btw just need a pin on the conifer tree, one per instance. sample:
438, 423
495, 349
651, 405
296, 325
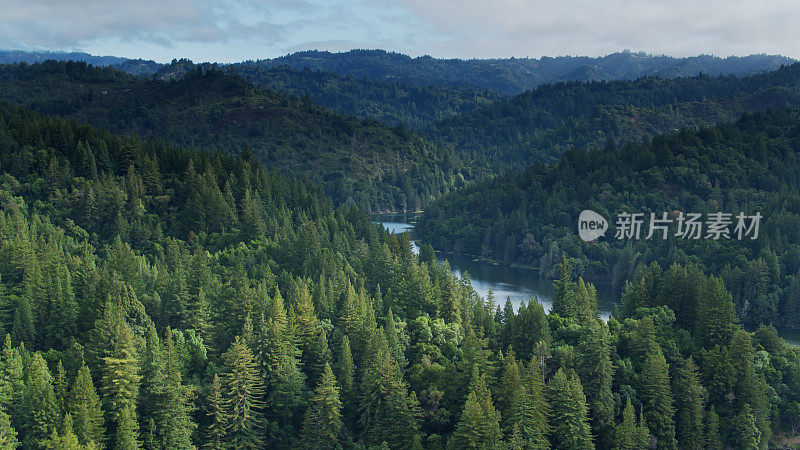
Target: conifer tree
529, 410
243, 390
8, 436
120, 381
176, 402
746, 434
388, 412
715, 314
713, 439
569, 421
323, 419
215, 435
657, 398
39, 403
596, 371
85, 407
689, 399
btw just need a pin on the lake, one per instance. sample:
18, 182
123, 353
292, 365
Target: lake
516, 283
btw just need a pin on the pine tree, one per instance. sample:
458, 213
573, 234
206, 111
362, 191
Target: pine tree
529, 410
216, 429
392, 338
570, 423
510, 385
127, 429
120, 381
243, 390
85, 407
657, 398
713, 439
39, 403
323, 419
596, 371
627, 430
8, 436
689, 399
311, 337
450, 306
715, 314
563, 288
388, 412
176, 402
479, 426
746, 433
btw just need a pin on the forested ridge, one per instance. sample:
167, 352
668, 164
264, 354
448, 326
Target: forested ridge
746, 166
541, 124
156, 297
392, 103
515, 75
362, 161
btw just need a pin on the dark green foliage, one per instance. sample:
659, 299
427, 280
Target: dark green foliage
733, 167
323, 419
569, 419
657, 399
157, 286
356, 160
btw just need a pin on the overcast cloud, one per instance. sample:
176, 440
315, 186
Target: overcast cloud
226, 31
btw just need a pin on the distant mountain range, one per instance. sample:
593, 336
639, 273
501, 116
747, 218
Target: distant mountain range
514, 75
506, 76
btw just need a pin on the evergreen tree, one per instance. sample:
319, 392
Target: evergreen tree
120, 381
715, 314
689, 399
569, 421
85, 407
175, 423
713, 439
746, 433
8, 436
216, 429
243, 390
596, 370
630, 435
388, 412
529, 410
323, 419
39, 402
657, 398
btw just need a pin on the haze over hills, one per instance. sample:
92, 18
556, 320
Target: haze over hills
540, 125
514, 75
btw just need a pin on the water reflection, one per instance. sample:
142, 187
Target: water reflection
517, 284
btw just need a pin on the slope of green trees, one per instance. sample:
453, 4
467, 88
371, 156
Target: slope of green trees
540, 125
153, 297
748, 166
362, 161
392, 103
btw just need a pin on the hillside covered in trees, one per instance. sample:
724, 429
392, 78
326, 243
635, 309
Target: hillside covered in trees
540, 125
156, 297
356, 160
747, 166
515, 75
392, 103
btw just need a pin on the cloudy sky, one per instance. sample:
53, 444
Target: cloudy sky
234, 30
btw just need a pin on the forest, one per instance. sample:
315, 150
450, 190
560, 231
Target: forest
154, 296
355, 160
511, 76
748, 165
541, 124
